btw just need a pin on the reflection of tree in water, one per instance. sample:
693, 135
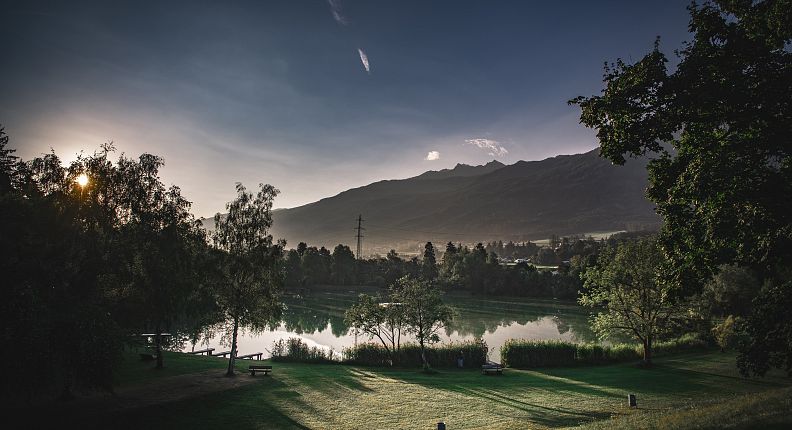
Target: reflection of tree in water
475, 316
313, 314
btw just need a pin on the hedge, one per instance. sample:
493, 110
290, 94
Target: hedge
474, 354
523, 353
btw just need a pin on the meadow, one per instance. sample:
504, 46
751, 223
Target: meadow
695, 390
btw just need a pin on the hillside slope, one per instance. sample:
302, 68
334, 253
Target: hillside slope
567, 194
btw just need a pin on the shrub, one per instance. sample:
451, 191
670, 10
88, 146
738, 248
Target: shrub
726, 333
541, 353
295, 350
474, 354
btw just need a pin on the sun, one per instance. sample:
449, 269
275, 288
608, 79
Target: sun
82, 180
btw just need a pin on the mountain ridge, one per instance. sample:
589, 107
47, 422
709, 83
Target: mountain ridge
527, 200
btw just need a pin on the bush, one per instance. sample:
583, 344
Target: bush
295, 350
533, 353
529, 353
474, 354
726, 333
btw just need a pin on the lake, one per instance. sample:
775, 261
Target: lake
318, 319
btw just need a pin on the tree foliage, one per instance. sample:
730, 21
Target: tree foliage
719, 126
634, 300
423, 311
380, 319
249, 261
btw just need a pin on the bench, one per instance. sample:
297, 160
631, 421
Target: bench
253, 369
221, 354
258, 356
208, 351
492, 369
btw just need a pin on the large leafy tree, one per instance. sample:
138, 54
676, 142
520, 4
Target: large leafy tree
423, 311
251, 276
719, 125
634, 300
161, 244
383, 321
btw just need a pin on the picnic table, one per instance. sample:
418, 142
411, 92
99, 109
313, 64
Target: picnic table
254, 368
258, 356
492, 368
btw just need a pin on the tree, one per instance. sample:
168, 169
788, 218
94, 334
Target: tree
719, 127
429, 263
634, 301
294, 272
423, 310
252, 279
767, 342
343, 265
384, 321
161, 240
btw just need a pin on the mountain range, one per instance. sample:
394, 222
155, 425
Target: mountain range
527, 200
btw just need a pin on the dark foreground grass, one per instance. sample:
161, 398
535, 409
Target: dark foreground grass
677, 390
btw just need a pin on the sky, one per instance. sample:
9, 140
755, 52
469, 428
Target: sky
313, 97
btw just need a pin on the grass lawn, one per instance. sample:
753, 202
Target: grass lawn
337, 396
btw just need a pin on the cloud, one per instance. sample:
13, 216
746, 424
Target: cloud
432, 156
335, 9
493, 147
364, 60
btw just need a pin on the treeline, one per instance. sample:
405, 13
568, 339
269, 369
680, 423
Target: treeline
480, 269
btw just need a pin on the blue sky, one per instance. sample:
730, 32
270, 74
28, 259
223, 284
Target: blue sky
278, 92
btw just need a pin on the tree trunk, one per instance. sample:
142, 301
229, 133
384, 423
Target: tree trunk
232, 357
158, 340
647, 351
423, 355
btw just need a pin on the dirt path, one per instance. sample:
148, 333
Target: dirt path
160, 391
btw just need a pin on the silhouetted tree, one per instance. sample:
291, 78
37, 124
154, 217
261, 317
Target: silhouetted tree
343, 265
429, 263
248, 292
719, 126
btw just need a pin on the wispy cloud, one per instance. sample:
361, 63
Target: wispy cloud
335, 9
493, 147
364, 59
432, 156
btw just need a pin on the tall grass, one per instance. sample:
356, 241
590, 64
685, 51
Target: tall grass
538, 353
295, 350
474, 354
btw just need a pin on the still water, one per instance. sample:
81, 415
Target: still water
318, 319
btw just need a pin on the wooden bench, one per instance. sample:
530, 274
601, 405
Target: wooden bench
208, 351
253, 369
258, 356
492, 369
221, 354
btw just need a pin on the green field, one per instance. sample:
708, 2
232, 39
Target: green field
679, 390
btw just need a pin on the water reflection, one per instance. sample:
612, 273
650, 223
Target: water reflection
318, 319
